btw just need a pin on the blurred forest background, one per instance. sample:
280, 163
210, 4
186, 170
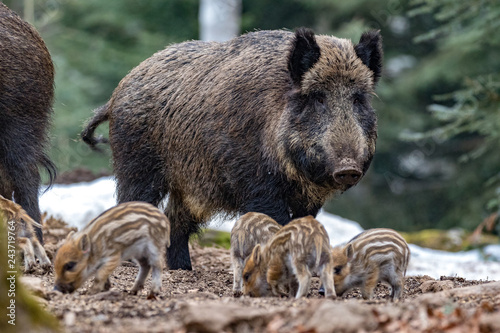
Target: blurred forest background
437, 163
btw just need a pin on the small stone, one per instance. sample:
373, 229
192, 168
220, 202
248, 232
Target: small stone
101, 318
69, 319
435, 286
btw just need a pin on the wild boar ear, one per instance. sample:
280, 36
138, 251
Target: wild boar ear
256, 255
84, 243
369, 50
349, 252
304, 53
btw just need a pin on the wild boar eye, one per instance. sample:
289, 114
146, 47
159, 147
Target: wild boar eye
246, 277
337, 269
69, 265
357, 99
320, 99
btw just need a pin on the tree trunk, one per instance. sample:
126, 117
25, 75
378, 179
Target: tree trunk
219, 19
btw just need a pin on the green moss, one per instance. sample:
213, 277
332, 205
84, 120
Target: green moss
210, 237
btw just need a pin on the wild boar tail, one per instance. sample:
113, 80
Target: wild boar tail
51, 170
101, 115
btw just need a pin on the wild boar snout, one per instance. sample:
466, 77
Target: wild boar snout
347, 173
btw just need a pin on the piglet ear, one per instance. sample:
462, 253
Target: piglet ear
349, 252
84, 243
256, 255
369, 50
71, 233
304, 53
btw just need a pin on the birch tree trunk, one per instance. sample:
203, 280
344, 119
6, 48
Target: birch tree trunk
219, 19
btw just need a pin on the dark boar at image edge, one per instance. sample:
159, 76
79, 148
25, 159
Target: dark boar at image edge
26, 96
272, 121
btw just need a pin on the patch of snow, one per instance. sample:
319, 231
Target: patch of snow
467, 264
340, 230
492, 252
78, 204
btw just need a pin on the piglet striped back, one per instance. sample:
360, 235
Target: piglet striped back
128, 222
252, 229
303, 237
380, 246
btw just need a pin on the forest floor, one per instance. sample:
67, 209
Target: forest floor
202, 301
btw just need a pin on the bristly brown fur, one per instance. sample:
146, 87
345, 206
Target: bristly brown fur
133, 230
375, 255
272, 122
26, 96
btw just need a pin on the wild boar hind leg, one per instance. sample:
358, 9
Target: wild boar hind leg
155, 278
183, 225
144, 269
26, 191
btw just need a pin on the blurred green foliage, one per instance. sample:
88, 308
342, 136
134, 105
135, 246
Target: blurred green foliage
211, 237
469, 116
436, 165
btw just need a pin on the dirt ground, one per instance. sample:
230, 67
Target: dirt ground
80, 175
202, 301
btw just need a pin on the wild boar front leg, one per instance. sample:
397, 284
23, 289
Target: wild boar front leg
303, 277
40, 254
237, 275
101, 276
370, 282
274, 275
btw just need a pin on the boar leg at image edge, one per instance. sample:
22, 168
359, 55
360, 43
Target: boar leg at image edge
26, 192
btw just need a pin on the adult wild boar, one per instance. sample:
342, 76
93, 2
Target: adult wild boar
271, 121
26, 95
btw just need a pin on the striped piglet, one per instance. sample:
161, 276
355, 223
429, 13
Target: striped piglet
375, 255
131, 230
286, 263
251, 229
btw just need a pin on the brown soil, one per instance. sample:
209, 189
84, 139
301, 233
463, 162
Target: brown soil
202, 301
79, 175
